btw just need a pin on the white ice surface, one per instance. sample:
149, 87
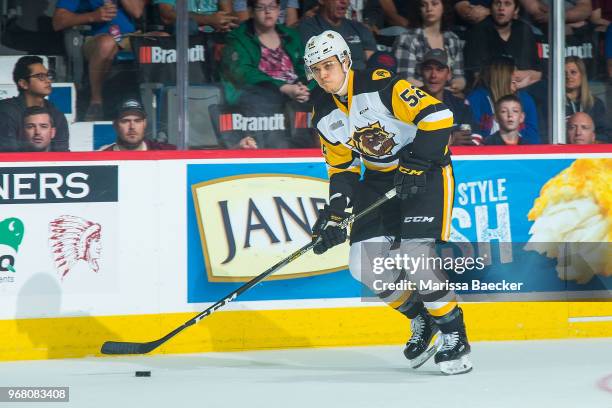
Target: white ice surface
542, 374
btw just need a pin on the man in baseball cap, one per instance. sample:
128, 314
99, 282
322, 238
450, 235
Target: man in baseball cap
437, 55
131, 106
437, 74
130, 126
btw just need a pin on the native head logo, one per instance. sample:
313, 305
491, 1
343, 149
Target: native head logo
11, 235
74, 239
373, 140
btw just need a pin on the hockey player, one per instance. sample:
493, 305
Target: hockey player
400, 134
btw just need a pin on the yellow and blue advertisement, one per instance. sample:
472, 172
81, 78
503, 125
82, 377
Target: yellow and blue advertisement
543, 222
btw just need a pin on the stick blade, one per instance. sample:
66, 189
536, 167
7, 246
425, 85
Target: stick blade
123, 347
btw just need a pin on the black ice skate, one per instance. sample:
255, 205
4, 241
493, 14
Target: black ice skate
452, 356
420, 347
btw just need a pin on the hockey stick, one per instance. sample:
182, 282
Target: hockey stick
122, 347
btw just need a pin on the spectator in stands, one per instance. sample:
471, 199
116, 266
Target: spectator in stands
215, 14
247, 143
403, 13
602, 17
33, 82
577, 13
510, 116
130, 126
264, 60
38, 130
368, 12
579, 97
497, 80
29, 29
580, 129
433, 32
503, 34
308, 8
289, 11
112, 21
263, 66
372, 14
472, 11
436, 73
331, 16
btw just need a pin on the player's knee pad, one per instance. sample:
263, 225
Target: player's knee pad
366, 264
362, 254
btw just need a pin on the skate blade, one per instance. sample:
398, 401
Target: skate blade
460, 366
429, 353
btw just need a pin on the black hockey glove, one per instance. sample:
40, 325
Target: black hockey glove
410, 177
326, 228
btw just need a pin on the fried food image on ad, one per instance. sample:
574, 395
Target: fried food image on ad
573, 220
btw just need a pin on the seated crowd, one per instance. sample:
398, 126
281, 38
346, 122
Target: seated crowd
485, 59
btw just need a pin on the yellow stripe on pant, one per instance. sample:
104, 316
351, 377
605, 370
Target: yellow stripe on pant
449, 192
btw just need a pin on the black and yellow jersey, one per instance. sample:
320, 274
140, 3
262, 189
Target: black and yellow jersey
383, 116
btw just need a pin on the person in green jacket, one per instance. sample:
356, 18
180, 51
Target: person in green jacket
263, 61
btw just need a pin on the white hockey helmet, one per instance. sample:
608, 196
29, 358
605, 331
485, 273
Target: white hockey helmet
328, 43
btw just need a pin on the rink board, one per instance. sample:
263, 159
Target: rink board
128, 246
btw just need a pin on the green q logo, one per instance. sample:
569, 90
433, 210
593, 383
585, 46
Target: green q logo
11, 235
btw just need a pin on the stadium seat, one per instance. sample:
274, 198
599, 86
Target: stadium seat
103, 134
81, 136
385, 37
90, 136
73, 42
201, 131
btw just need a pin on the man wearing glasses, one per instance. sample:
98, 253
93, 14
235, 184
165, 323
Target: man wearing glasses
33, 82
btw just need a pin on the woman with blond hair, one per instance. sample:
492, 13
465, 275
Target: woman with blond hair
496, 80
579, 98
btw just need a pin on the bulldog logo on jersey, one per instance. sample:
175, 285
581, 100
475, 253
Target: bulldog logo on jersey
373, 140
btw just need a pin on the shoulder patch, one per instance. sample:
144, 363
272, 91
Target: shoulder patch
380, 74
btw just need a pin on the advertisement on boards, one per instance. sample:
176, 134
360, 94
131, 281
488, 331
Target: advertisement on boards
521, 218
244, 218
58, 233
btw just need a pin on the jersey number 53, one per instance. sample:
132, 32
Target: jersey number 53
412, 96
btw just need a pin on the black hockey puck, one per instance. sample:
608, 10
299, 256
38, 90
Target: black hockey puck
143, 373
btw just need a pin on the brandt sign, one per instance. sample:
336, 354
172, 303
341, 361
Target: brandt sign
236, 121
159, 55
